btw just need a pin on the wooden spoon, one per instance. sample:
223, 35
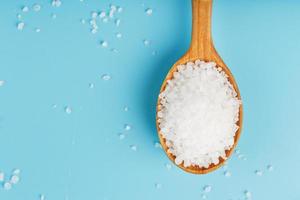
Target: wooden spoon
201, 48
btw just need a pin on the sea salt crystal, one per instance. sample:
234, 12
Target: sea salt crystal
133, 147
117, 22
19, 16
2, 176
198, 113
42, 197
121, 136
114, 50
157, 145
20, 26
104, 44
93, 30
248, 194
36, 7
106, 77
16, 171
2, 82
82, 21
37, 30
203, 196
102, 14
168, 166
94, 15
68, 109
207, 188
25, 9
258, 172
53, 16
127, 127
146, 42
270, 168
56, 3
91, 85
227, 174
7, 185
14, 179
105, 19
120, 9
158, 185
149, 11
126, 108
119, 35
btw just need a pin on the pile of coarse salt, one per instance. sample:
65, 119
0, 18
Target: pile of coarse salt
198, 114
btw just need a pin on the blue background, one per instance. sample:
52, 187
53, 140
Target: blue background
80, 156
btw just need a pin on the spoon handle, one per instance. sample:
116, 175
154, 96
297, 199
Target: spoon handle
201, 44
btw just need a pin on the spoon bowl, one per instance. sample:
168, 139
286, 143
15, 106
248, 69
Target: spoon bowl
201, 48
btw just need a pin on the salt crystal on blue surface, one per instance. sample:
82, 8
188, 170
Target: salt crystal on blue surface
105, 19
146, 42
56, 3
102, 14
157, 145
237, 151
14, 179
120, 9
91, 85
149, 11
121, 136
227, 174
20, 26
207, 188
37, 30
7, 186
19, 16
203, 196
126, 108
42, 197
53, 16
119, 35
106, 77
68, 109
94, 15
168, 166
93, 30
25, 9
158, 185
133, 147
270, 168
104, 44
248, 194
127, 127
82, 21
117, 22
36, 7
2, 82
2, 176
16, 171
114, 50
258, 172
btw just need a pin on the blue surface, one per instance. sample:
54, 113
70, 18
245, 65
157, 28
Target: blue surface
80, 156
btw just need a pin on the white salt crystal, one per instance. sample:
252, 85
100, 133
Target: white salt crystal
54, 16
36, 7
207, 188
105, 19
149, 11
158, 185
16, 171
42, 197
203, 196
120, 9
146, 42
133, 147
14, 179
7, 185
126, 108
19, 16
227, 174
2, 82
102, 14
198, 116
168, 166
127, 127
119, 35
94, 15
82, 21
37, 30
237, 151
157, 145
91, 85
248, 194
270, 168
25, 9
106, 77
117, 22
2, 176
104, 44
20, 26
54, 106
93, 30
121, 136
68, 109
113, 7
56, 3
258, 172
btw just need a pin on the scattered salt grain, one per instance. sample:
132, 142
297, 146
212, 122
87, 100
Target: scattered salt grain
93, 30
16, 171
203, 196
198, 113
127, 127
149, 11
237, 151
270, 168
82, 21
106, 77
91, 85
227, 174
36, 7
37, 30
207, 188
121, 136
258, 172
2, 82
53, 16
146, 42
7, 185
120, 9
126, 108
117, 22
105, 19
56, 3
157, 145
68, 109
119, 35
25, 9
20, 26
14, 179
42, 197
54, 106
2, 176
114, 50
168, 166
19, 16
102, 14
158, 185
104, 44
94, 15
133, 147
248, 194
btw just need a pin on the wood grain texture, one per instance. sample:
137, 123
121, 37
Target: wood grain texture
201, 48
